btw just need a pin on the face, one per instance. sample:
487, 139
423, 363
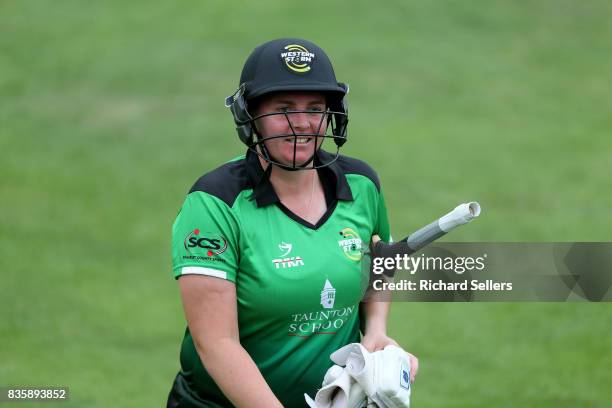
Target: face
306, 125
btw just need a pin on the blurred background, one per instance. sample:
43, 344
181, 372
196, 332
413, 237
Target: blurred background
109, 111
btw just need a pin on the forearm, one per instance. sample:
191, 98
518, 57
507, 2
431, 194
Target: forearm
236, 374
375, 314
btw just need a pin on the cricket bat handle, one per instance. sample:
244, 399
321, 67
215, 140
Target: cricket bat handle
462, 214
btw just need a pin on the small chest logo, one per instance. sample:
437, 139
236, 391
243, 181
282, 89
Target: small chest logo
351, 244
285, 247
285, 261
328, 295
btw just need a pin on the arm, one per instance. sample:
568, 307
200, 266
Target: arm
210, 309
375, 312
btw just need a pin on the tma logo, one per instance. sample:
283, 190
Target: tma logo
215, 244
288, 262
284, 261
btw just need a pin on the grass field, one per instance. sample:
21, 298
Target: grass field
110, 110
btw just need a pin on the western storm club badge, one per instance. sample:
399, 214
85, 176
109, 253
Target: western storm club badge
297, 58
351, 244
284, 261
328, 295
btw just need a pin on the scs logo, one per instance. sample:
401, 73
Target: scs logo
214, 243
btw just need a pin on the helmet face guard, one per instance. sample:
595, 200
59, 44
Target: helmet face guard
290, 65
332, 124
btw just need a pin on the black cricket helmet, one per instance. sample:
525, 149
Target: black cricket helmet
289, 64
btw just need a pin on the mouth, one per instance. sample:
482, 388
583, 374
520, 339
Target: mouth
298, 140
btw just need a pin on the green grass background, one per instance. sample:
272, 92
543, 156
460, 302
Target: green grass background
110, 110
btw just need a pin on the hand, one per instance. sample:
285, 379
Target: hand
378, 341
414, 366
374, 240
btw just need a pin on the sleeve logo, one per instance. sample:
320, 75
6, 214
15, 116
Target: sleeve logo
196, 241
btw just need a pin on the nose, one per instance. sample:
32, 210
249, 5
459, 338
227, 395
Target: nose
300, 122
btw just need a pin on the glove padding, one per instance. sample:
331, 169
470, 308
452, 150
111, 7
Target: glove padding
383, 375
338, 390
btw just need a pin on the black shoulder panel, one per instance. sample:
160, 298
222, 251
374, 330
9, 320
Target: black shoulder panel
350, 165
225, 182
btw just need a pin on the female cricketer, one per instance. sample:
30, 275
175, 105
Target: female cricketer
267, 248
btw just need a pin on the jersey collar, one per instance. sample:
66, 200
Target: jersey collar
264, 193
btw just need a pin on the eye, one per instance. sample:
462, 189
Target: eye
316, 109
283, 108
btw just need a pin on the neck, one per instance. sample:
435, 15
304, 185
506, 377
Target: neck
291, 182
300, 191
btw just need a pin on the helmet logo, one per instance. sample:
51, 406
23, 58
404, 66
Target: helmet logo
297, 58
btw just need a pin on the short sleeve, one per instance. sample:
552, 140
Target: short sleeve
382, 224
205, 238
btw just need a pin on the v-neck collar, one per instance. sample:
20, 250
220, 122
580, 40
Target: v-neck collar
333, 179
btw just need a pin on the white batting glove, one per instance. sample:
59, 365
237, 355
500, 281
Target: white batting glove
335, 390
384, 375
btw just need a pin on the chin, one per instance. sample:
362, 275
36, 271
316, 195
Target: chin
300, 160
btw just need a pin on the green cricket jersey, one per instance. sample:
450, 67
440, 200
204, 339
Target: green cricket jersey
298, 285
